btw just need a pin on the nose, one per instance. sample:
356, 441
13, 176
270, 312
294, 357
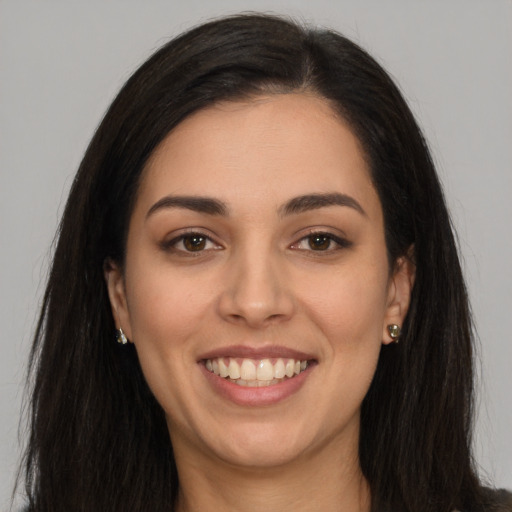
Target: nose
256, 291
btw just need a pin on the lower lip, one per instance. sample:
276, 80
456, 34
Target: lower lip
254, 397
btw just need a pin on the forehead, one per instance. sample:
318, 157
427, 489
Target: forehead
269, 147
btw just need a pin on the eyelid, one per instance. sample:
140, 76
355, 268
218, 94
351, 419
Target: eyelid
170, 244
340, 240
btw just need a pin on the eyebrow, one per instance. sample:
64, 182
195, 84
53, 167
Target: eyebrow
315, 201
206, 205
300, 204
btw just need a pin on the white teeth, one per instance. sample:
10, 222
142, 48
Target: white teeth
265, 370
223, 369
256, 383
247, 370
279, 371
255, 373
289, 368
234, 369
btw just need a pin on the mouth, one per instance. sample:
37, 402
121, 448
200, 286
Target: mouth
256, 376
249, 372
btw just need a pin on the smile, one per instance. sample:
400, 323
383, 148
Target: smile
255, 372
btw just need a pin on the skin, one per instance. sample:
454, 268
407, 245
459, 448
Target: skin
259, 281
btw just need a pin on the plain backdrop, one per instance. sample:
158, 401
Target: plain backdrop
61, 63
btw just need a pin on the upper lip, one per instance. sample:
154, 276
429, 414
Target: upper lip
260, 352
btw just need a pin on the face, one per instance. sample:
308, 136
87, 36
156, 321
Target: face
256, 286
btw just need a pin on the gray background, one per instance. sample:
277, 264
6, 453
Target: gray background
62, 62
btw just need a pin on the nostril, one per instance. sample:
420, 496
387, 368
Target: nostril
275, 317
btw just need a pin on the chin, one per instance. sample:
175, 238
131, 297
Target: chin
261, 445
262, 455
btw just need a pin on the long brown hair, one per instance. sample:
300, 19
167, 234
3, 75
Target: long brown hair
98, 438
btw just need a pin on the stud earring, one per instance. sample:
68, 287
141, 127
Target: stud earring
121, 337
394, 331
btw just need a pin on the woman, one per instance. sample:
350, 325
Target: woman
259, 222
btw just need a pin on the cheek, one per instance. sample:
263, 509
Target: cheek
349, 312
350, 309
165, 307
166, 313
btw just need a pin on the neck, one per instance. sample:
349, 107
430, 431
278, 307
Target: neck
329, 480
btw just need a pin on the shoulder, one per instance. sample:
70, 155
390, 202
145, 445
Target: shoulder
494, 500
503, 500
498, 500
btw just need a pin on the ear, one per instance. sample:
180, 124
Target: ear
116, 292
399, 293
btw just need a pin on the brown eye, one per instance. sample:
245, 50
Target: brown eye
319, 242
194, 243
191, 243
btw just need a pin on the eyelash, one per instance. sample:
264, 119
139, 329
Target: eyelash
172, 245
340, 243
